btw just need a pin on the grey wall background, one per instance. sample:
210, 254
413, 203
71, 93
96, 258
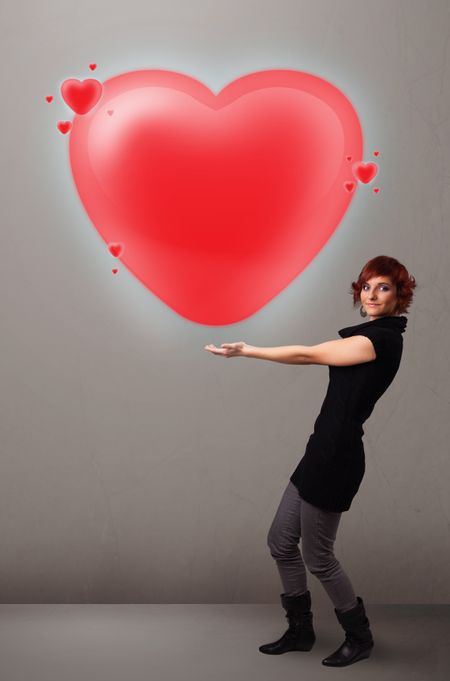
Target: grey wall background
137, 467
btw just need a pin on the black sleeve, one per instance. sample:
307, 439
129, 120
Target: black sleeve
379, 339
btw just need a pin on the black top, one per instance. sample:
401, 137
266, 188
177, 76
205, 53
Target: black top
332, 468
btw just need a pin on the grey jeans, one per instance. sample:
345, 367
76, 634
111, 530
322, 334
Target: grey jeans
317, 528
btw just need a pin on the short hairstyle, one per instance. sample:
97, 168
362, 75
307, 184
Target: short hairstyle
381, 266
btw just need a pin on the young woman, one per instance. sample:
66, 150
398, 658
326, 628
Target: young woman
362, 365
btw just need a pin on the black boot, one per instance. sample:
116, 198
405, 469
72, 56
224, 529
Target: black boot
358, 642
300, 635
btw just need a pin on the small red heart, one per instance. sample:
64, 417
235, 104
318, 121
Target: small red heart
376, 153
349, 186
115, 249
92, 67
49, 98
349, 158
376, 190
81, 96
364, 172
110, 112
114, 270
64, 126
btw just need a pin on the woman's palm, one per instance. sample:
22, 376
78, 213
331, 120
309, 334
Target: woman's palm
227, 349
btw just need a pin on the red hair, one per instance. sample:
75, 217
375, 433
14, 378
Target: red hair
384, 266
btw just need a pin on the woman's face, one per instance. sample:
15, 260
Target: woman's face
379, 297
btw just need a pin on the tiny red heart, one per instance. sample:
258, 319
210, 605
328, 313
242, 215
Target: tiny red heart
49, 98
376, 190
115, 249
110, 112
349, 158
81, 96
92, 67
64, 126
376, 153
114, 270
364, 172
349, 186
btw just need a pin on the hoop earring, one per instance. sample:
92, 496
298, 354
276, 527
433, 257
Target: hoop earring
362, 312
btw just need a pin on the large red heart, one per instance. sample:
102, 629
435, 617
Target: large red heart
219, 200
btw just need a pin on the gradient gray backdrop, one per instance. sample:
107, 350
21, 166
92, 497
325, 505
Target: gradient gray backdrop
137, 467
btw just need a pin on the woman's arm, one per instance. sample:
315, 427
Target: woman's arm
286, 354
342, 352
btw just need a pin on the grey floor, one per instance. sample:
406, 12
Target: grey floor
211, 643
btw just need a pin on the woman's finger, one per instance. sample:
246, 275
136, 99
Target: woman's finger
216, 351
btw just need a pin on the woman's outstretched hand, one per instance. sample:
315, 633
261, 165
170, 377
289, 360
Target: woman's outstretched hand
228, 349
